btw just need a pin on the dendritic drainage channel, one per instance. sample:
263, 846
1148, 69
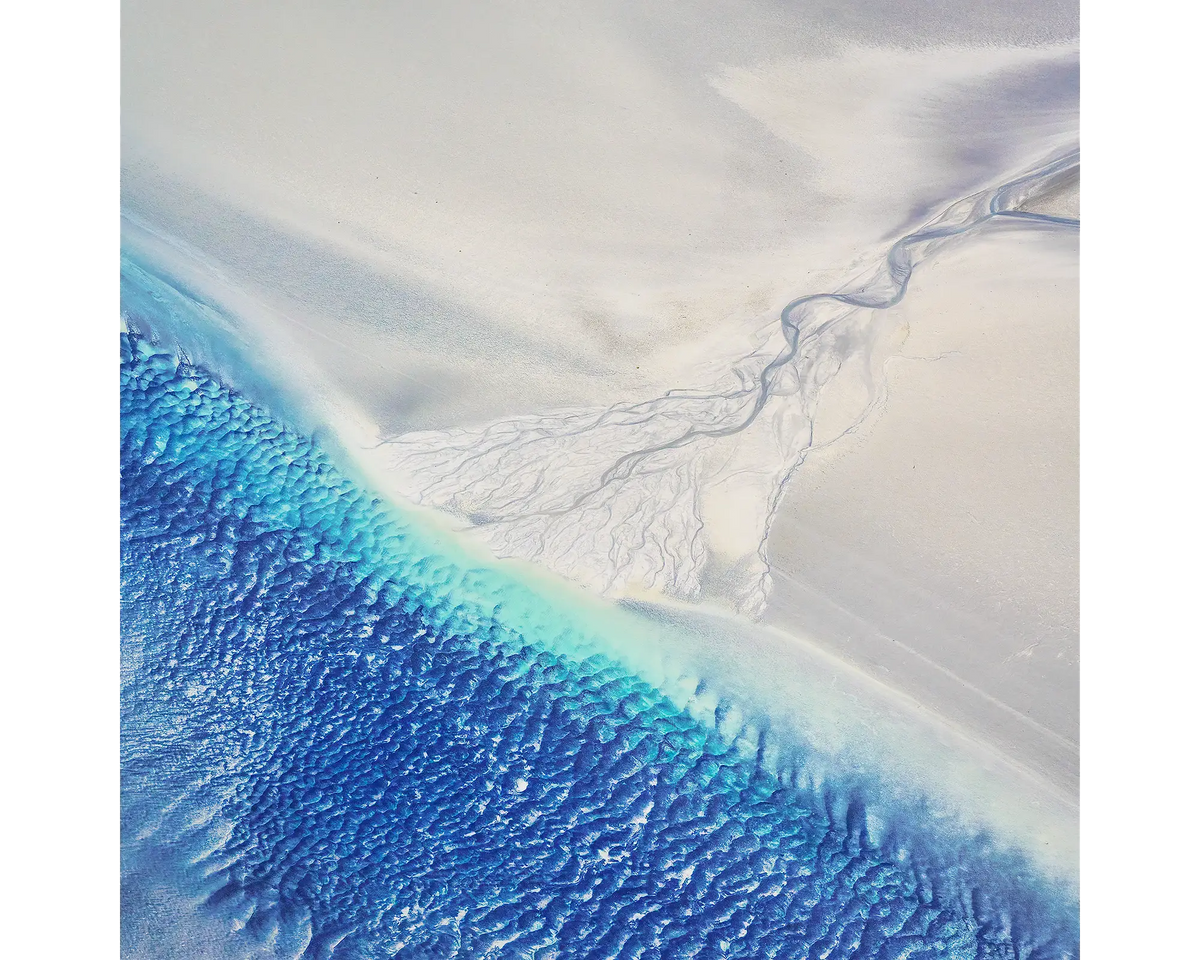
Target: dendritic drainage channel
618, 498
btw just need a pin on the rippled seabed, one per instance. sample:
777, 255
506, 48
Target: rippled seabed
337, 741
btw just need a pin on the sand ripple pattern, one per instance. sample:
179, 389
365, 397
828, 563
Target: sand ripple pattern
336, 744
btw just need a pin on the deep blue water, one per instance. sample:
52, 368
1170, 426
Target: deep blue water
335, 744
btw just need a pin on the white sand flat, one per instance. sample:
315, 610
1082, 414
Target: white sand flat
938, 547
447, 224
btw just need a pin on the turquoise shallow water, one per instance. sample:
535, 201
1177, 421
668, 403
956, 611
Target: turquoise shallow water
343, 736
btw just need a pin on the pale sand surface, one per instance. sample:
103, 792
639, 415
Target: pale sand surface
937, 548
469, 212
1062, 200
432, 218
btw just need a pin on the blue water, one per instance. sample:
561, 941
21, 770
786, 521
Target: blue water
342, 739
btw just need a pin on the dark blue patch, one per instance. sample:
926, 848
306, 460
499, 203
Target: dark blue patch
361, 761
